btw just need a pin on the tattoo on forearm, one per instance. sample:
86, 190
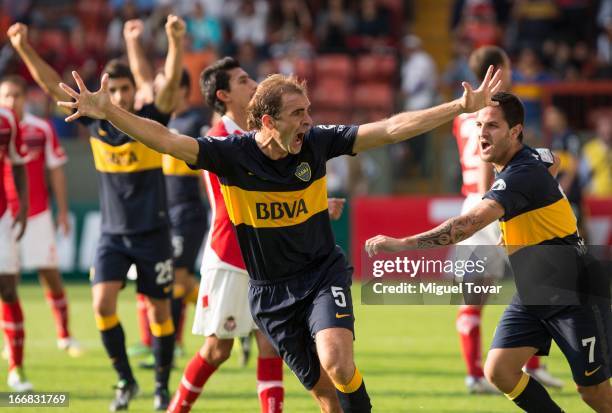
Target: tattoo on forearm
450, 232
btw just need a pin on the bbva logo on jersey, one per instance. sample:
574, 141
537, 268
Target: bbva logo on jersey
499, 185
279, 210
303, 172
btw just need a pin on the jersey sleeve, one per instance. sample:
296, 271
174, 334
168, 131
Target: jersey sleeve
546, 156
214, 154
511, 191
54, 153
152, 112
334, 140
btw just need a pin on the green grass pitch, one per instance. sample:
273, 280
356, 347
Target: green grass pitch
409, 357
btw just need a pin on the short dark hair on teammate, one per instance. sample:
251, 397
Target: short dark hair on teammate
514, 111
16, 80
117, 68
185, 79
268, 98
216, 77
485, 56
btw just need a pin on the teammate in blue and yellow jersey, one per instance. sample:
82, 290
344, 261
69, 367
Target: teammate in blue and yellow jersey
534, 214
134, 211
273, 182
187, 213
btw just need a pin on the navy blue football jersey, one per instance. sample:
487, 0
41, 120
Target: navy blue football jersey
535, 209
131, 184
278, 207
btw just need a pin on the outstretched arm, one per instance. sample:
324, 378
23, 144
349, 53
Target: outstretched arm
409, 124
97, 105
46, 77
139, 66
451, 231
167, 96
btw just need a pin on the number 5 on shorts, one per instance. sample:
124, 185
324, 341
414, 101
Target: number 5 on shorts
339, 297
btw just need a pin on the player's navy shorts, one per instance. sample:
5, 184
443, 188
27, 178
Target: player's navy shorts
583, 333
292, 311
188, 225
151, 252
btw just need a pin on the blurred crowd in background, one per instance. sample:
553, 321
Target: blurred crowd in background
363, 61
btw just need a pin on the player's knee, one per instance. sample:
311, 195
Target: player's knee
216, 352
340, 372
600, 394
494, 372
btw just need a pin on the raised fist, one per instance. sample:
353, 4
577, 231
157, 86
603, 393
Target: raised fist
18, 34
175, 27
133, 29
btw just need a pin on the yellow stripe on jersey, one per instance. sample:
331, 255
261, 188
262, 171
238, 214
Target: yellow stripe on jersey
530, 91
275, 209
566, 161
173, 166
556, 220
129, 157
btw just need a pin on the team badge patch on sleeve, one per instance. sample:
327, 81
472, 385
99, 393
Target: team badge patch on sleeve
499, 185
303, 171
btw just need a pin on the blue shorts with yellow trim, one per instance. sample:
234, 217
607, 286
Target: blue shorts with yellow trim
583, 333
291, 312
150, 252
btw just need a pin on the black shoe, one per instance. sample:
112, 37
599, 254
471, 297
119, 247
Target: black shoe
124, 392
161, 400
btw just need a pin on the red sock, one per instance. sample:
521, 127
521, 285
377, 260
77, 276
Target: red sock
13, 332
533, 363
468, 327
59, 306
195, 375
181, 324
143, 320
270, 384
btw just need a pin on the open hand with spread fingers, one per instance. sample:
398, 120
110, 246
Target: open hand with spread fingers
473, 100
86, 103
383, 243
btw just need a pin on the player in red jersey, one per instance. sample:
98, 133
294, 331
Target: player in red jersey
38, 248
477, 179
13, 148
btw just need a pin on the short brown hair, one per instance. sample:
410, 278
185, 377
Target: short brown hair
486, 56
513, 109
268, 98
117, 68
16, 80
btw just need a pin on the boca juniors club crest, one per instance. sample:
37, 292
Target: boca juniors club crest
303, 172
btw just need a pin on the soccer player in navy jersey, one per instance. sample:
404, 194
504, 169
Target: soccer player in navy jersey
533, 211
274, 185
187, 213
134, 212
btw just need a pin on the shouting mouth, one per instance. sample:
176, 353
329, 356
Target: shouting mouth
485, 146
